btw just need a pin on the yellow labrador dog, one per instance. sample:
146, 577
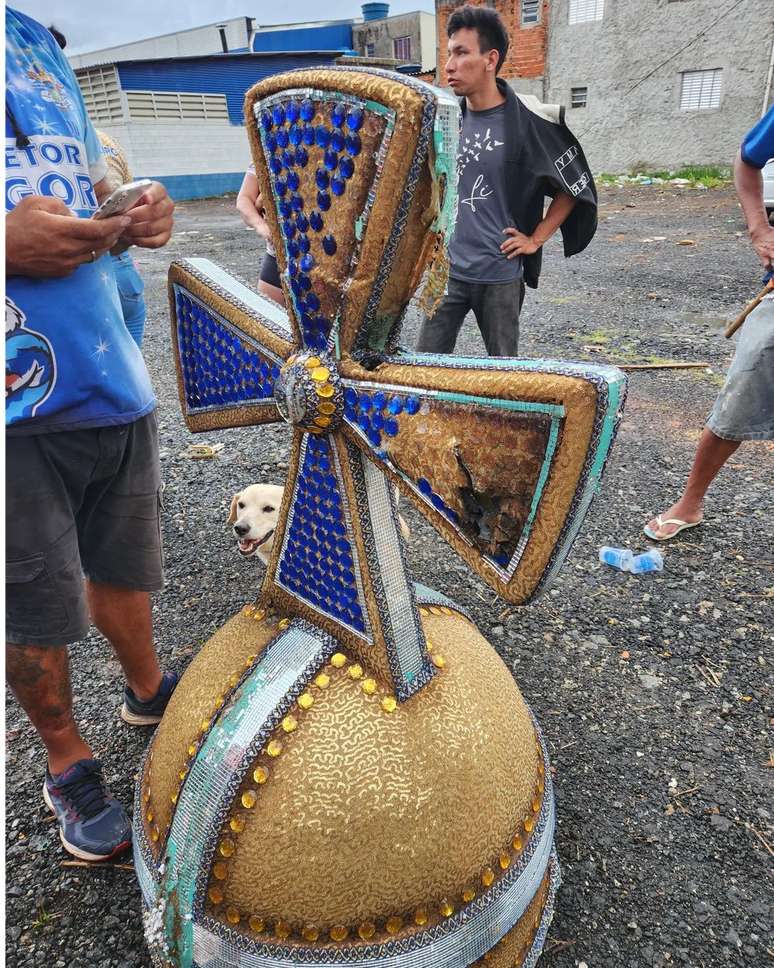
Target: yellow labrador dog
253, 516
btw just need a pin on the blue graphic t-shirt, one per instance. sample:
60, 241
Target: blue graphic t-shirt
758, 144
70, 362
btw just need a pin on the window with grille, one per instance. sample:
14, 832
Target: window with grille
175, 106
579, 97
700, 90
530, 12
582, 11
101, 94
369, 50
402, 48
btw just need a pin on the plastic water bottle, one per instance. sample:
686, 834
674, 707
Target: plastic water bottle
620, 558
648, 561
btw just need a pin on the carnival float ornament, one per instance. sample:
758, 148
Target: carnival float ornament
347, 773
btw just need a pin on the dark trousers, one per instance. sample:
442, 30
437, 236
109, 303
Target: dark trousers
496, 308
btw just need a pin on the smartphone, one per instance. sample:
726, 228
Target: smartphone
123, 198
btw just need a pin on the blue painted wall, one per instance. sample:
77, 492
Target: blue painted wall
184, 187
215, 74
336, 37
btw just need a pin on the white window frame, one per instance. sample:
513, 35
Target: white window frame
398, 44
101, 90
176, 106
701, 90
579, 96
530, 12
586, 11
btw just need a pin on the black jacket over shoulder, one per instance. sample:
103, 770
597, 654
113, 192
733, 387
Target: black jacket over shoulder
542, 156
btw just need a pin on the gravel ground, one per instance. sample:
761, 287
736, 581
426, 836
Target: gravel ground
653, 691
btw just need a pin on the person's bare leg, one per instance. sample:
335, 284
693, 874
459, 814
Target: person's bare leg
711, 455
39, 677
273, 292
123, 616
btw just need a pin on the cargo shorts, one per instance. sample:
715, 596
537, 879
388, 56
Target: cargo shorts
78, 502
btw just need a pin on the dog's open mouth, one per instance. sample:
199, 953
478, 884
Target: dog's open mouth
248, 546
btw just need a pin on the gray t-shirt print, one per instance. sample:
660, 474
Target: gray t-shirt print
474, 251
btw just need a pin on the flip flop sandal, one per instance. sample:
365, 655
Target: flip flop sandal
681, 526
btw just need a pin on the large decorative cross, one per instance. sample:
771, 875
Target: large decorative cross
501, 456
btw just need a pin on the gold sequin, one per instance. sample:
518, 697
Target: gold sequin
260, 774
248, 609
181, 775
310, 932
355, 671
487, 878
283, 623
504, 861
256, 924
338, 659
389, 704
536, 806
146, 794
232, 915
518, 843
322, 681
282, 929
249, 799
446, 610
204, 725
324, 390
215, 894
438, 661
369, 686
323, 421
393, 925
540, 785
220, 871
226, 848
529, 823
420, 916
154, 834
237, 824
312, 362
306, 700
233, 681
367, 930
249, 660
468, 895
274, 748
424, 611
435, 610
290, 724
320, 373
338, 932
446, 908
327, 407
260, 615
149, 816
173, 799
192, 749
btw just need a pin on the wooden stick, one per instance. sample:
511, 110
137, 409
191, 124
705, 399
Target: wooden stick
733, 327
661, 366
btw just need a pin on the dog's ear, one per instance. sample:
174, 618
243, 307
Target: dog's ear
232, 511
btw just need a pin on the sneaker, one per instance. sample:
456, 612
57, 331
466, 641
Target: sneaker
92, 825
138, 713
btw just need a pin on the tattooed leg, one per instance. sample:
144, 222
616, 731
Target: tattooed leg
40, 680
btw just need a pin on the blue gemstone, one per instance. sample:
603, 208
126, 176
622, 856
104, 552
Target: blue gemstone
303, 244
282, 138
266, 121
292, 267
391, 427
296, 201
313, 302
271, 143
454, 518
337, 141
302, 222
295, 135
355, 119
364, 422
330, 160
322, 178
285, 207
289, 229
350, 396
278, 114
329, 244
380, 399
293, 249
289, 157
437, 501
302, 157
377, 420
324, 201
293, 181
338, 114
365, 402
316, 220
413, 404
280, 187
322, 136
276, 165
307, 109
307, 263
295, 287
293, 111
424, 487
305, 282
395, 406
346, 167
308, 134
338, 186
353, 144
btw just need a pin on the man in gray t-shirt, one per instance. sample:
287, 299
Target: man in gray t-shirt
510, 157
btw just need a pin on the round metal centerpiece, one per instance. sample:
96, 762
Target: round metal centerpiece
309, 394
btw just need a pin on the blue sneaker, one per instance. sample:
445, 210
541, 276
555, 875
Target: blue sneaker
138, 713
92, 825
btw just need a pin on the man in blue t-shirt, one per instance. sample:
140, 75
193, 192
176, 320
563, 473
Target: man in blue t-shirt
744, 409
82, 476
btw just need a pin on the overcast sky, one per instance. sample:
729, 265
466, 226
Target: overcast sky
94, 24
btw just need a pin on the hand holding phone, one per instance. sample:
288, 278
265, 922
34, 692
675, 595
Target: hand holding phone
123, 198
